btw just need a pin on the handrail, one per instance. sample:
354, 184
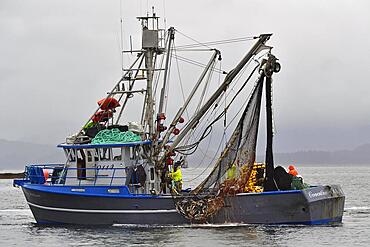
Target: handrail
35, 174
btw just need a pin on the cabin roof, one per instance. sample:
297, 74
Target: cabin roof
110, 145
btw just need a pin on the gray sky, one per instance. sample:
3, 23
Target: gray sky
58, 57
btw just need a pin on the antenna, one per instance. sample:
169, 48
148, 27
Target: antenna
164, 15
121, 34
131, 44
147, 8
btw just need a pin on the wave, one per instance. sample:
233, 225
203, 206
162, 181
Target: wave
183, 226
23, 211
14, 210
363, 210
356, 208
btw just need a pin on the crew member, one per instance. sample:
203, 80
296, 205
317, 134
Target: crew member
292, 170
297, 180
176, 176
231, 172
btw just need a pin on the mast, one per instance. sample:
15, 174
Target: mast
149, 109
269, 67
150, 46
269, 158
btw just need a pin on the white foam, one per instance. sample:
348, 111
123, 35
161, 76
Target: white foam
15, 211
356, 208
182, 226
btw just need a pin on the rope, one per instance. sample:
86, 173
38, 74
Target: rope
208, 129
196, 63
198, 43
218, 42
109, 136
180, 80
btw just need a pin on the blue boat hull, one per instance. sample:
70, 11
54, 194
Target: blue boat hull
93, 206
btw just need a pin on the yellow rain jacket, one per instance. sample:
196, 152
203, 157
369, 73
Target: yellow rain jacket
176, 175
231, 172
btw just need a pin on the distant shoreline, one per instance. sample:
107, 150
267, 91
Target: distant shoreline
11, 175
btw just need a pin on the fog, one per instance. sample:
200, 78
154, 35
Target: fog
58, 57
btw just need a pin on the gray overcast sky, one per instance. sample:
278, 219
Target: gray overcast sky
58, 57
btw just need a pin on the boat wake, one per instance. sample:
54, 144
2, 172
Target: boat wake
184, 226
15, 211
357, 210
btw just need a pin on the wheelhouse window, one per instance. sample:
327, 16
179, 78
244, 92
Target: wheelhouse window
117, 153
133, 153
81, 164
89, 155
104, 154
96, 154
70, 154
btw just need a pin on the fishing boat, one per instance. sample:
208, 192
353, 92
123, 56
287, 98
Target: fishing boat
119, 172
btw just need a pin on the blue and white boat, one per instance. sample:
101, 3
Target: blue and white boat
123, 179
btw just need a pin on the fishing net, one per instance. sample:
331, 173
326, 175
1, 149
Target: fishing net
231, 171
109, 136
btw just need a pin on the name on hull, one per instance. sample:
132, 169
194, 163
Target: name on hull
321, 193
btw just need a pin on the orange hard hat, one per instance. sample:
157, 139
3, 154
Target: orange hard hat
291, 167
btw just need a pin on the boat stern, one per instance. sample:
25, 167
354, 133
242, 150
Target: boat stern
325, 204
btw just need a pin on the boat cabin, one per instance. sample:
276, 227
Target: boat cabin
121, 164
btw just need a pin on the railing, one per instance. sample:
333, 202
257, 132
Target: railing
50, 174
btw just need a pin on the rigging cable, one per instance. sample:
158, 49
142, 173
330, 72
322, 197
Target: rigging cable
199, 43
164, 15
224, 137
212, 112
232, 120
218, 42
193, 62
210, 163
180, 80
241, 108
205, 89
199, 49
121, 32
193, 147
217, 105
191, 135
221, 142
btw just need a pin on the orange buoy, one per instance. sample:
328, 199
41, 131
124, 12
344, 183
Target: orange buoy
176, 131
169, 161
161, 116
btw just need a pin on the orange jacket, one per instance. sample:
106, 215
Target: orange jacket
293, 171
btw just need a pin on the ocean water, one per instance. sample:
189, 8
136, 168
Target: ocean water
17, 227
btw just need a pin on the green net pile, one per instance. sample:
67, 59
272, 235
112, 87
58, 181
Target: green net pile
109, 136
